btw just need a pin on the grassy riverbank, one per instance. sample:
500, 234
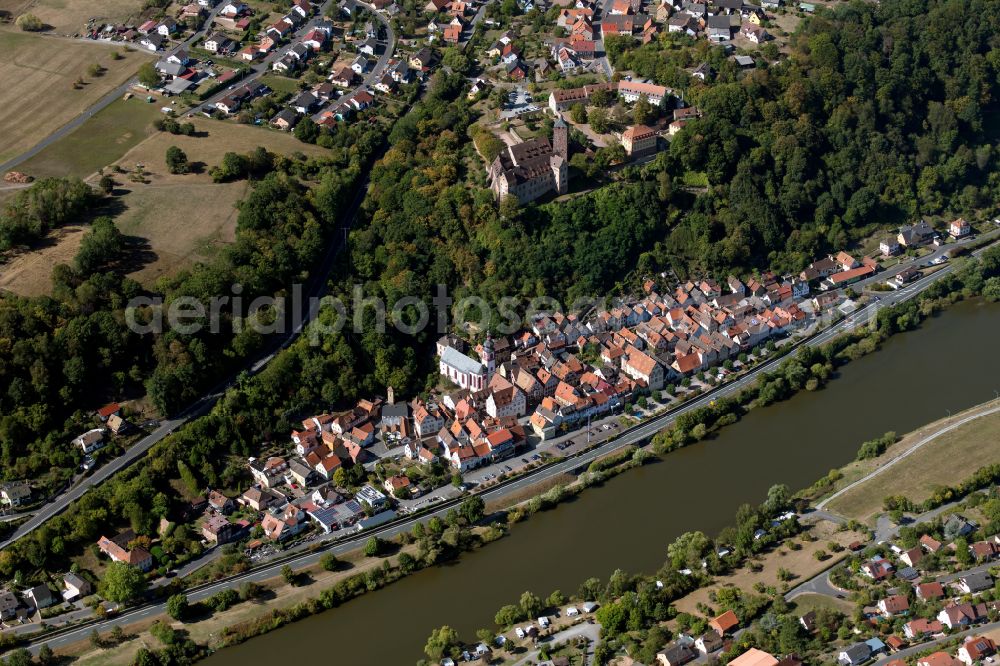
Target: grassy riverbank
944, 458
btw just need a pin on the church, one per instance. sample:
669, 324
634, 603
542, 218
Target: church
464, 371
533, 168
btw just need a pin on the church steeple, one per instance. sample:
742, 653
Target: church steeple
489, 357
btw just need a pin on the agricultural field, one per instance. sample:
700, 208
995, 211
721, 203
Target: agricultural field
38, 96
70, 17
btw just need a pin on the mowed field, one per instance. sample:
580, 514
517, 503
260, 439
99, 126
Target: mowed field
97, 143
37, 95
185, 218
944, 461
69, 17
174, 220
30, 273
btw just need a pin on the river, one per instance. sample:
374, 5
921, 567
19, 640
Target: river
948, 364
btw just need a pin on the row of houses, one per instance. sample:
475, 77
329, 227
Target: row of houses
25, 604
920, 234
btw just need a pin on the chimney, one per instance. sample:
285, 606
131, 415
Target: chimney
389, 396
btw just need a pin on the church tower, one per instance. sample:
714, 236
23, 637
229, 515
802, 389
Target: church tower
489, 357
560, 138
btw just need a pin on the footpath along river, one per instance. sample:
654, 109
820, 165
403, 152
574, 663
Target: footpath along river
948, 364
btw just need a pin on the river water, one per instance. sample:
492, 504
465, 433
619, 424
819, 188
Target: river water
948, 364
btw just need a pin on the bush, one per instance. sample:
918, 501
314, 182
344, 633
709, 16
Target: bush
374, 547
329, 562
29, 23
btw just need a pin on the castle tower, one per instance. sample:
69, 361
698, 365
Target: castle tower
560, 138
560, 174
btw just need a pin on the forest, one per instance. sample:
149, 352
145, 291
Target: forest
880, 114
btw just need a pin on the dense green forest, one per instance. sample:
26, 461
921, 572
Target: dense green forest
62, 355
881, 113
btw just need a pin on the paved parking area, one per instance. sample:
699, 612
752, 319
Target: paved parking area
519, 102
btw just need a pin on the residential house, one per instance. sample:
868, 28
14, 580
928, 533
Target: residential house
8, 605
877, 568
977, 581
962, 615
268, 472
854, 654
343, 77
720, 29
15, 493
959, 229
220, 503
754, 33
708, 643
675, 655
75, 587
281, 524
137, 557
896, 604
218, 43
304, 102
152, 42
889, 246
929, 543
917, 234
285, 119
976, 648
918, 628
41, 596
90, 441
259, 499
397, 485
929, 591
218, 530
938, 659
754, 657
167, 27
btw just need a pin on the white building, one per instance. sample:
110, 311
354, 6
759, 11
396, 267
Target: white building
90, 441
466, 372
